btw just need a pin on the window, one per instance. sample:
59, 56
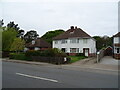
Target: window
74, 40
33, 42
64, 49
117, 50
84, 41
64, 41
56, 42
74, 50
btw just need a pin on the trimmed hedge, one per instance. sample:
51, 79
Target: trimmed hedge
19, 56
46, 53
54, 56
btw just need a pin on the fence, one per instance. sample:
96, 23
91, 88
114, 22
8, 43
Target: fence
54, 60
100, 55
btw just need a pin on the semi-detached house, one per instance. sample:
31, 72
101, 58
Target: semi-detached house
74, 41
116, 45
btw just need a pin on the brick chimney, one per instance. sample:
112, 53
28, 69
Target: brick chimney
72, 27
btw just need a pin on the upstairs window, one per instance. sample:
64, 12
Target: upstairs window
56, 42
74, 40
64, 41
33, 42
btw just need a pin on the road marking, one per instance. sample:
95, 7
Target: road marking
36, 77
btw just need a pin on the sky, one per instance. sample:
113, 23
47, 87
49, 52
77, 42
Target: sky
96, 17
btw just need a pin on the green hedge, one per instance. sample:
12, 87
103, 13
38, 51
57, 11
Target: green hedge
19, 56
47, 53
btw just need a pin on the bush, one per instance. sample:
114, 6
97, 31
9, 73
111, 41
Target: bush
80, 54
32, 53
53, 52
19, 56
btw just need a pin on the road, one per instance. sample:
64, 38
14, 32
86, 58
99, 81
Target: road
18, 75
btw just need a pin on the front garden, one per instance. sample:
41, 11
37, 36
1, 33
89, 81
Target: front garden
54, 56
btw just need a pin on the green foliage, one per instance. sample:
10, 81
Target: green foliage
48, 36
76, 58
47, 53
19, 56
30, 35
1, 38
17, 45
103, 42
80, 54
32, 53
13, 25
8, 37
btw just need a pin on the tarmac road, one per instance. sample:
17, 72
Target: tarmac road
19, 75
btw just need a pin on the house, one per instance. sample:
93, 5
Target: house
74, 41
37, 44
116, 45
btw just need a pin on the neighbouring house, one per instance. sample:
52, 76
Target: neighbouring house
116, 45
37, 44
75, 41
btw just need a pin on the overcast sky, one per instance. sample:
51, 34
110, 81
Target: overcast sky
96, 17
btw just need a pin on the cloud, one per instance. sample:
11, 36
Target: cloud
48, 1
93, 17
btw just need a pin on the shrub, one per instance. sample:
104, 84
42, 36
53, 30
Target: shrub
19, 56
32, 53
80, 54
53, 52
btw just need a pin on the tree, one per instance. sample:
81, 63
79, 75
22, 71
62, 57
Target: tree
103, 42
8, 37
21, 34
13, 25
1, 23
30, 35
48, 36
17, 45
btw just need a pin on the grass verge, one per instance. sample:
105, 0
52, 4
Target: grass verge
76, 58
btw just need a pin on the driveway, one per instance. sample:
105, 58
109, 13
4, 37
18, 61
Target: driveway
109, 60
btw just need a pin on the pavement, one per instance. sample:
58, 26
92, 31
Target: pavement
22, 75
89, 63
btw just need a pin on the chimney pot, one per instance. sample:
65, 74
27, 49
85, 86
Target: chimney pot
75, 27
72, 27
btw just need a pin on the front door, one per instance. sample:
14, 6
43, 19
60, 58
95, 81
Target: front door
86, 51
63, 49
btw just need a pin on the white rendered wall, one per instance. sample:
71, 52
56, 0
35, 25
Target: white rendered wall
116, 40
91, 44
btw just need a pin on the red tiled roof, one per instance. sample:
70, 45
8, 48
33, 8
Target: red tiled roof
39, 43
73, 32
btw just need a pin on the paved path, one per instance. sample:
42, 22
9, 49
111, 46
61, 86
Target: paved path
109, 61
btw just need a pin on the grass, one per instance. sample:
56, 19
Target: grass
76, 58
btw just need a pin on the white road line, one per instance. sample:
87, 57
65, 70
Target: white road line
36, 77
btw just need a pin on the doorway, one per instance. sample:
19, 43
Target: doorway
86, 51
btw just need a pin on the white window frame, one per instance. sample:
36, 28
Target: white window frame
76, 50
63, 41
74, 40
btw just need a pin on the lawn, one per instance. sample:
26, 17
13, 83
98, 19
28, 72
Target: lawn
76, 58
